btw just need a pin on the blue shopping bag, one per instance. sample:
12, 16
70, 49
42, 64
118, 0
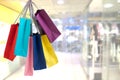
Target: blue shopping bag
24, 29
38, 54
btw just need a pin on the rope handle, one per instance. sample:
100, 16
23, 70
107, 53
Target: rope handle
31, 9
24, 11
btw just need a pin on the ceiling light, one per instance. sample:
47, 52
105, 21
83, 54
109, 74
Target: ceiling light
108, 5
60, 2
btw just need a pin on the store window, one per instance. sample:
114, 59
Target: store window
72, 34
103, 47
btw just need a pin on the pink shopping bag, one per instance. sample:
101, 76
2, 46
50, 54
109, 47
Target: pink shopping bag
29, 59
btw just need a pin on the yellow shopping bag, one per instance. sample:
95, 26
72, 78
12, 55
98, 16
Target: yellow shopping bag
49, 53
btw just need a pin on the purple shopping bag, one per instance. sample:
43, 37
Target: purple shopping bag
29, 59
47, 25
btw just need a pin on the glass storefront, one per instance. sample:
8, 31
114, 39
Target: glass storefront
103, 47
111, 22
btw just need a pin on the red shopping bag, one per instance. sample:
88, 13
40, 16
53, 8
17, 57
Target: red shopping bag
11, 41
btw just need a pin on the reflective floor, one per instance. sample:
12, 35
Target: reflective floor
71, 66
68, 68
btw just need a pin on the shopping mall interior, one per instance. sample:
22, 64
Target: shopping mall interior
87, 49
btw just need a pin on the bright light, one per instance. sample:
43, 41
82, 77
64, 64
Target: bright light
60, 2
108, 5
118, 1
23, 3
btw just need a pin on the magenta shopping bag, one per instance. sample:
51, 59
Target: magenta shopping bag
47, 25
29, 59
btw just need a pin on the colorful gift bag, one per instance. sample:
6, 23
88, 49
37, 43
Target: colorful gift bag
29, 59
38, 55
23, 36
50, 56
47, 25
11, 41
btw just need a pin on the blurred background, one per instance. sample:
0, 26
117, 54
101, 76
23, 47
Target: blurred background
87, 49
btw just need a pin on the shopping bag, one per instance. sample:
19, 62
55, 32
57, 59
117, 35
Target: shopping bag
50, 56
38, 55
47, 25
11, 41
29, 59
23, 36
